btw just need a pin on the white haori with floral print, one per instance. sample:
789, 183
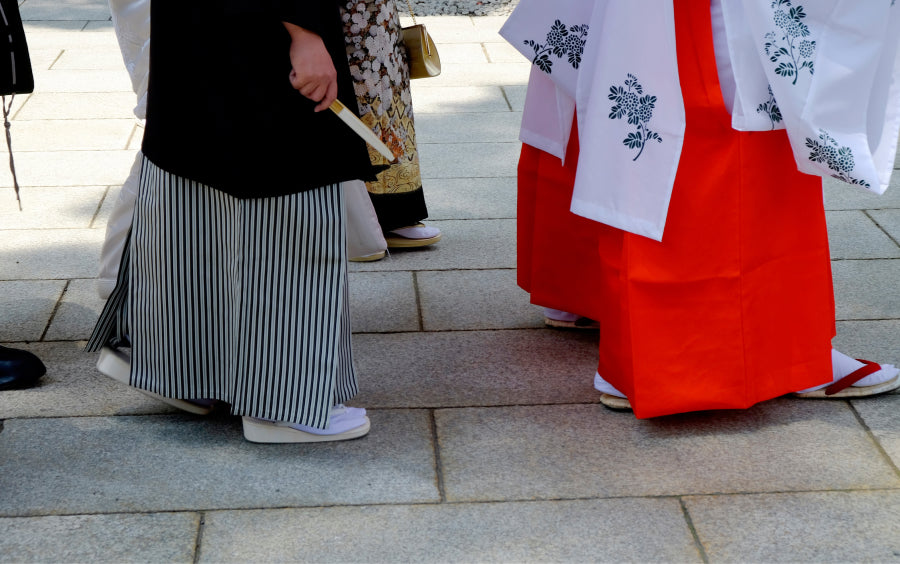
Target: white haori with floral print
547, 116
830, 71
827, 71
630, 109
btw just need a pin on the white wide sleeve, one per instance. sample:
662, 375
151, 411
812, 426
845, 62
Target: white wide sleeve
832, 66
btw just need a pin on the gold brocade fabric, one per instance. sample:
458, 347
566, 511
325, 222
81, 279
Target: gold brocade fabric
381, 80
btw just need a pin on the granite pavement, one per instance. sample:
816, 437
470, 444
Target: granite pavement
488, 443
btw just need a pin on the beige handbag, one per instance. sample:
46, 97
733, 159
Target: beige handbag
424, 61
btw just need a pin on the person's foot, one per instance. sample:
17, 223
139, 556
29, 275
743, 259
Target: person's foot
610, 397
413, 236
853, 378
116, 364
565, 320
369, 258
346, 423
19, 369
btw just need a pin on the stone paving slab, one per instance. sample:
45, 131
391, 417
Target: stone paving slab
70, 207
457, 99
808, 527
69, 168
873, 340
47, 254
73, 387
153, 537
456, 53
43, 58
69, 10
383, 302
171, 463
82, 81
81, 58
566, 531
839, 195
866, 289
475, 368
882, 416
516, 96
77, 312
579, 451
471, 198
481, 74
475, 299
853, 235
459, 128
468, 244
889, 220
106, 207
61, 135
459, 29
38, 30
468, 160
26, 306
78, 106
503, 53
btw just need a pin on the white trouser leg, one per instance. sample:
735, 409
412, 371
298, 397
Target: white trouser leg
117, 230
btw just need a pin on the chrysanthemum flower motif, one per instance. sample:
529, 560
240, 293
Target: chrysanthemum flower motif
807, 48
645, 112
557, 34
782, 20
845, 162
630, 102
574, 45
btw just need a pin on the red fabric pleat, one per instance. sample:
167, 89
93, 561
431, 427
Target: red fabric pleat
553, 242
735, 305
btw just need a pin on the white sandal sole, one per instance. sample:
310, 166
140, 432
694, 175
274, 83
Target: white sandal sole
257, 431
117, 366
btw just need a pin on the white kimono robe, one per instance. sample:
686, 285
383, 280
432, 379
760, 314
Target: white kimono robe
826, 70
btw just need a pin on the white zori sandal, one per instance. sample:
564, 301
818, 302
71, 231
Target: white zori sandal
346, 423
853, 378
565, 320
417, 235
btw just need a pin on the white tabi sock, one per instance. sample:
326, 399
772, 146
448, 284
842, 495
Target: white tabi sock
842, 365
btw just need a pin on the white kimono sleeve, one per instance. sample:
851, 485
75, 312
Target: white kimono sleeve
832, 66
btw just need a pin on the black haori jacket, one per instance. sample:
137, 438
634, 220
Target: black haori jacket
221, 109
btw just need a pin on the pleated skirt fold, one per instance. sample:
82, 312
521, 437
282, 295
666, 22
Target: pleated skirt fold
243, 301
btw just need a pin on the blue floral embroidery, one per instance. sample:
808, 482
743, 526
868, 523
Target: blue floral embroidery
561, 41
839, 159
771, 109
629, 102
798, 53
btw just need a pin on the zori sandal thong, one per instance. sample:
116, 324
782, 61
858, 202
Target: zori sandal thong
844, 388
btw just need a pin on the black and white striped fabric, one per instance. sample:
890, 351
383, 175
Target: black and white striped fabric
243, 301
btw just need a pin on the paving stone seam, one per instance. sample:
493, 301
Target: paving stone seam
59, 302
96, 216
689, 521
892, 259
842, 320
417, 296
881, 227
531, 500
438, 460
198, 539
874, 440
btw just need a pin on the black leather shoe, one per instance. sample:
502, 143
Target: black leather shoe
19, 369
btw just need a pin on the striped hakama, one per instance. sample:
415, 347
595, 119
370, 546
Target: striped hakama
239, 300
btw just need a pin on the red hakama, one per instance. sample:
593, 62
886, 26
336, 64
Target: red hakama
735, 305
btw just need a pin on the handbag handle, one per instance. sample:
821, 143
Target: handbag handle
411, 14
